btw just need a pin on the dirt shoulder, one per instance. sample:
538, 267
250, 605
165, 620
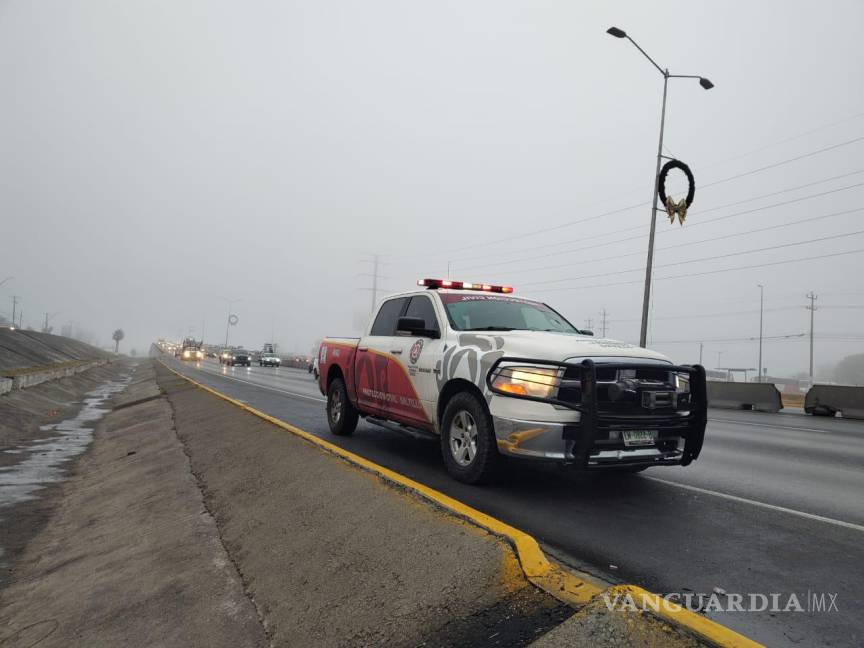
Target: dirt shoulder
130, 555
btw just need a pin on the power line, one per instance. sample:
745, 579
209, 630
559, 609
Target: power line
703, 315
782, 191
785, 162
689, 243
642, 204
710, 272
701, 259
691, 225
791, 336
783, 141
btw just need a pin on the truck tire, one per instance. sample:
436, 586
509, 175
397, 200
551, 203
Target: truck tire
468, 444
341, 414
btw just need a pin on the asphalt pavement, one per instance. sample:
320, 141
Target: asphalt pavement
774, 505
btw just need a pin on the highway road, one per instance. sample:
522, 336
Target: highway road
775, 505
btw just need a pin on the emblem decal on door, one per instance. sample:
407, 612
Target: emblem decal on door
416, 349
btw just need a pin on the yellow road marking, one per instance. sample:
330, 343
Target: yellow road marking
552, 578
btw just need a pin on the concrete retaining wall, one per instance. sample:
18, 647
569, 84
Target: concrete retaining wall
37, 375
828, 399
760, 397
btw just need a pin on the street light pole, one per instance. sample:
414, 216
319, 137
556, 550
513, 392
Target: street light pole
761, 311
649, 265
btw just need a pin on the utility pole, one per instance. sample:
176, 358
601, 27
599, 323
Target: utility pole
589, 324
700, 352
14, 307
376, 275
603, 315
761, 312
812, 308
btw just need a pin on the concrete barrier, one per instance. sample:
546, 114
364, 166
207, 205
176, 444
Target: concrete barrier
23, 378
827, 400
760, 397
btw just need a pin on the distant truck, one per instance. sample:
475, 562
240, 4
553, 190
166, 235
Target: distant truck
493, 375
191, 350
268, 359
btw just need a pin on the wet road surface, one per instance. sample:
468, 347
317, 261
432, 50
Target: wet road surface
774, 505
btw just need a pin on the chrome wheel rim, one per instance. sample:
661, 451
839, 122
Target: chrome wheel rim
335, 406
463, 438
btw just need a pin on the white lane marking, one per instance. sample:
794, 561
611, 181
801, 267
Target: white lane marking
249, 382
771, 425
772, 507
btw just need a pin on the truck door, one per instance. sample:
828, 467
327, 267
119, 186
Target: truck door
372, 371
415, 363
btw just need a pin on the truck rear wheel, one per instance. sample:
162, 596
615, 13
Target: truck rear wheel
341, 414
468, 441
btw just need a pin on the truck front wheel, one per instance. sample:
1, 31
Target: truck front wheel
468, 440
341, 414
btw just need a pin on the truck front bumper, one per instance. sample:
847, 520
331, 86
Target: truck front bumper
596, 439
546, 441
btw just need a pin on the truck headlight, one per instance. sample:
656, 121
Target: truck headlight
539, 382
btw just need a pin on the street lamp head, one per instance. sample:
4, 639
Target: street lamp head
705, 83
617, 33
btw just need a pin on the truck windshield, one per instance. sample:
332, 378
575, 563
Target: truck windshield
496, 313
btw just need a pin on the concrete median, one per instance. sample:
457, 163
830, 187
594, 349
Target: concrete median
827, 400
759, 397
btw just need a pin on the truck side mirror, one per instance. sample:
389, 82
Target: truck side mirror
415, 326
587, 332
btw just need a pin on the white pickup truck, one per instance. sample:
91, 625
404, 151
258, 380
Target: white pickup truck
495, 375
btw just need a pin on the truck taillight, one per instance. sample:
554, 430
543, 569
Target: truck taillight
463, 285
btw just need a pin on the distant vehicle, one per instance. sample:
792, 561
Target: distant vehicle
233, 357
191, 350
269, 360
491, 375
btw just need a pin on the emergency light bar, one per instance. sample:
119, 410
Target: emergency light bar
432, 284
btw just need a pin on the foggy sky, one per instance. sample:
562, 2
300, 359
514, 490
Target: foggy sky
160, 158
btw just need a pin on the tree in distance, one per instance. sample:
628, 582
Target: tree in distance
118, 335
850, 370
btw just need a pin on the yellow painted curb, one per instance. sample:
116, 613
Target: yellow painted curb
553, 579
681, 616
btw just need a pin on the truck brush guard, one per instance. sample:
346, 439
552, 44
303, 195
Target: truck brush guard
669, 401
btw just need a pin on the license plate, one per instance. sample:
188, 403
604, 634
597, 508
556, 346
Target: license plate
639, 437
